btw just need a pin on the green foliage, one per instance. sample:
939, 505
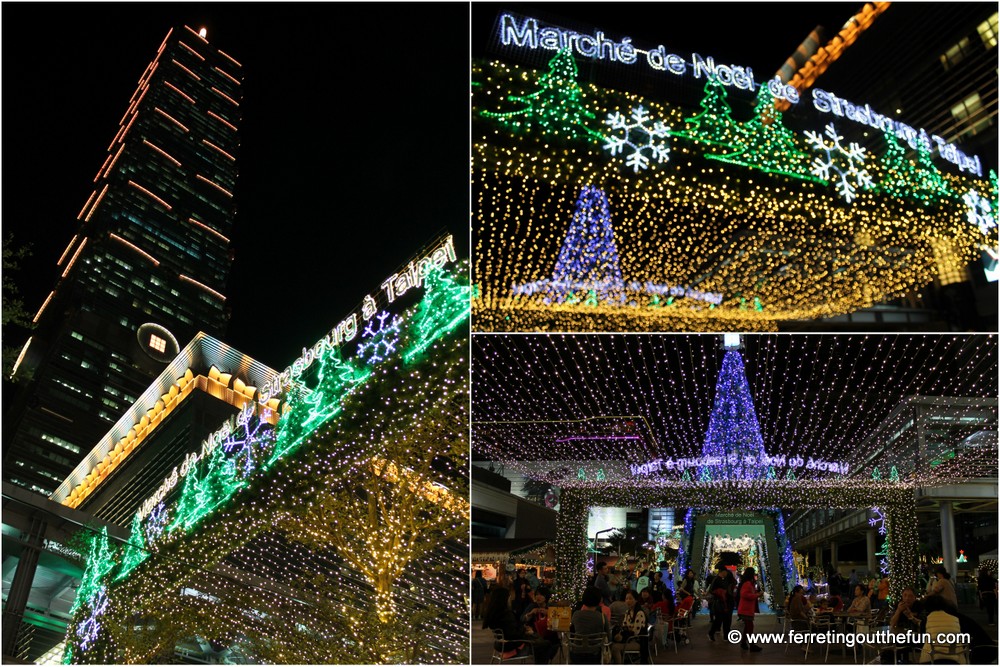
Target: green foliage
14, 314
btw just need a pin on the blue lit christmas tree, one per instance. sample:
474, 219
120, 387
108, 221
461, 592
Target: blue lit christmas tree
588, 259
733, 431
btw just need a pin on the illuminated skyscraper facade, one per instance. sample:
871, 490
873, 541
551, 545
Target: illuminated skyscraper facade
146, 268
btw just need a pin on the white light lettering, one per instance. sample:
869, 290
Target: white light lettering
676, 64
526, 36
368, 308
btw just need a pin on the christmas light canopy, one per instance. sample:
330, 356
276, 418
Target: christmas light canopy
731, 215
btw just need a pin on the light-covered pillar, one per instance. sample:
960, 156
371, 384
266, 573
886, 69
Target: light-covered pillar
571, 547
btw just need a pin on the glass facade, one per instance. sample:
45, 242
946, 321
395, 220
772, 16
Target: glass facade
152, 246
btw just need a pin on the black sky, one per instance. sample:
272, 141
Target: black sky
354, 143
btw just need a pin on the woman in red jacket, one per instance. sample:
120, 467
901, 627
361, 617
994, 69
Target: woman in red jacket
748, 606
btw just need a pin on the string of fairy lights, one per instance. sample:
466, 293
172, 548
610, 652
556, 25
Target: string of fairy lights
817, 406
816, 397
323, 540
712, 222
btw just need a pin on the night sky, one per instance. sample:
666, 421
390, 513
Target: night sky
354, 144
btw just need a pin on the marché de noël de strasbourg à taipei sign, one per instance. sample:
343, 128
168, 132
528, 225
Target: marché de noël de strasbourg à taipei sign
529, 33
393, 287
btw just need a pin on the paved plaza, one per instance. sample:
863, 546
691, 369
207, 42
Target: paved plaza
701, 651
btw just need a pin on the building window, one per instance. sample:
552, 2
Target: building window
65, 444
157, 343
969, 115
988, 31
955, 54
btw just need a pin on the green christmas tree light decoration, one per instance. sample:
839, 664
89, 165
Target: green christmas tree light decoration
905, 179
556, 108
894, 475
135, 549
767, 144
100, 562
446, 305
188, 502
715, 124
876, 475
307, 411
215, 486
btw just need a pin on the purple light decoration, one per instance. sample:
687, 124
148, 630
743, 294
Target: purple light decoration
733, 430
588, 259
600, 437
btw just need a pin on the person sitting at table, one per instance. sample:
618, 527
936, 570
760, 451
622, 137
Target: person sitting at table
631, 634
861, 605
646, 601
500, 616
907, 615
536, 616
942, 586
939, 623
835, 603
588, 620
798, 605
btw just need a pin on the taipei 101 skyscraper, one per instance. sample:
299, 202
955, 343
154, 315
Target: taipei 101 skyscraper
145, 269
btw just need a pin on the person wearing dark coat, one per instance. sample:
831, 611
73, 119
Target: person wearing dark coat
500, 616
722, 595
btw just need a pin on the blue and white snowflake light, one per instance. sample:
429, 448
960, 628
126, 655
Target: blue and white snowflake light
156, 522
378, 343
980, 211
643, 141
89, 629
845, 165
246, 446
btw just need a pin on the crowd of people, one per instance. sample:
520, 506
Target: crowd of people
627, 616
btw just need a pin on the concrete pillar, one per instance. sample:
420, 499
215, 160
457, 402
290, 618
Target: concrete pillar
948, 539
819, 557
834, 559
20, 587
871, 540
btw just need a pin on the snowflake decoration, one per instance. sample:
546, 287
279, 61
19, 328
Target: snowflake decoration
381, 341
646, 138
877, 520
246, 446
980, 211
89, 628
849, 168
156, 523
